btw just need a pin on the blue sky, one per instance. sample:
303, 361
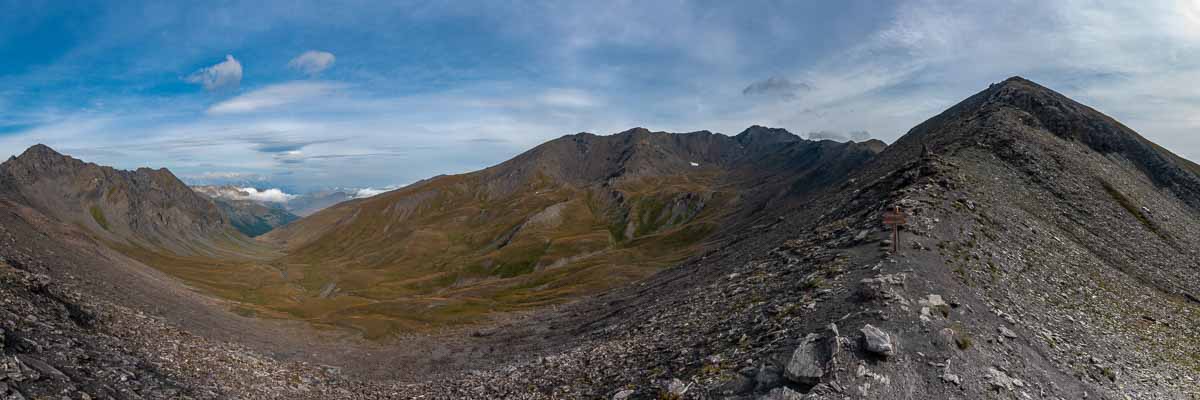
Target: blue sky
306, 95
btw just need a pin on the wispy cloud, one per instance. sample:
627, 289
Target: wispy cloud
312, 62
826, 135
223, 75
572, 98
776, 86
212, 176
275, 96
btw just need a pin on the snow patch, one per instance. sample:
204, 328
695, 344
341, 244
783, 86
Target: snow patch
694, 164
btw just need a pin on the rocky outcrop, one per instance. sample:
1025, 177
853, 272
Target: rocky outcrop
144, 208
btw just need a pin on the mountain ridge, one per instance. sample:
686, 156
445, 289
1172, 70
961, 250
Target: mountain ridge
1048, 252
547, 225
148, 208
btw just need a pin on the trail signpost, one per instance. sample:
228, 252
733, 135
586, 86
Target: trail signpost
894, 219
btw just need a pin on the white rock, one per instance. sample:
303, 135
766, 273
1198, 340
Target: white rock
878, 341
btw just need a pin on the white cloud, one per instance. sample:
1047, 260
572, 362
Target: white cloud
860, 136
269, 195
312, 62
275, 96
826, 135
371, 192
226, 176
225, 74
569, 98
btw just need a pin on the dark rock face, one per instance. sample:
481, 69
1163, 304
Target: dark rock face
146, 207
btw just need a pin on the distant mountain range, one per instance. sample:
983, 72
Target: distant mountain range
255, 212
299, 204
250, 216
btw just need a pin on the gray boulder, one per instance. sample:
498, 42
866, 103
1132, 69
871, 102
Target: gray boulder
807, 364
878, 341
999, 380
782, 394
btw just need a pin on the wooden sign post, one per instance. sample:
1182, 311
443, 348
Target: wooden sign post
894, 219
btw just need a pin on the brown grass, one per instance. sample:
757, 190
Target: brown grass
449, 255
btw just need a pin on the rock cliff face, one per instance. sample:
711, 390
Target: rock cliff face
1049, 253
145, 208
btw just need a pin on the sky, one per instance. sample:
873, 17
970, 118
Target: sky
311, 95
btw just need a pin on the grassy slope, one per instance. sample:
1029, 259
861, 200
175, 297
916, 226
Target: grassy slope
447, 254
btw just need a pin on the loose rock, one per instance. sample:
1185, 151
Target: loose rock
622, 395
806, 366
782, 394
878, 341
999, 380
951, 378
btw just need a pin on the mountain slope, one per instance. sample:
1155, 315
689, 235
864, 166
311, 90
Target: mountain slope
573, 216
144, 209
1036, 263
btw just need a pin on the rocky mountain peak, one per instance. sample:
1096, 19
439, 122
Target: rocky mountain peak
1039, 109
38, 161
636, 131
146, 206
760, 135
40, 150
